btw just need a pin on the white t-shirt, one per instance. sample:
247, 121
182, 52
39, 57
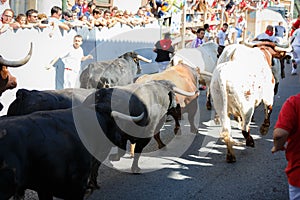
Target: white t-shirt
72, 59
296, 38
222, 37
264, 36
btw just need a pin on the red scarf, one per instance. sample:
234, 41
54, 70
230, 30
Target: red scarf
269, 33
240, 19
165, 44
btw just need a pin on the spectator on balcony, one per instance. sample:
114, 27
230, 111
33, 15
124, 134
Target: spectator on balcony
32, 19
7, 20
108, 20
199, 40
56, 13
97, 19
91, 6
128, 18
78, 7
4, 4
85, 6
113, 11
21, 20
148, 11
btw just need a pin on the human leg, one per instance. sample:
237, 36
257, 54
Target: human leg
294, 192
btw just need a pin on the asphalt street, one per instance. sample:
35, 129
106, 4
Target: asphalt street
201, 172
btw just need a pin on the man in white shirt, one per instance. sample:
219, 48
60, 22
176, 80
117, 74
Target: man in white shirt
222, 36
199, 40
4, 4
295, 41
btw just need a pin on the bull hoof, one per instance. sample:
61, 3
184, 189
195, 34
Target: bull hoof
230, 158
177, 131
264, 129
194, 130
114, 157
250, 142
162, 145
135, 170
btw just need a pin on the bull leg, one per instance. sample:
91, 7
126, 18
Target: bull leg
44, 195
264, 128
132, 147
282, 68
140, 145
158, 140
92, 182
192, 111
208, 100
230, 156
121, 150
177, 126
249, 139
176, 114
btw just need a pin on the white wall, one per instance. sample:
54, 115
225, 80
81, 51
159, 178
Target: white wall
131, 5
44, 6
103, 45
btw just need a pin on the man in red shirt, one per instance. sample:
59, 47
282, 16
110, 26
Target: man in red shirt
287, 129
295, 25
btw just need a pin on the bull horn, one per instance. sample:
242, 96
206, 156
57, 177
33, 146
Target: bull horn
127, 117
183, 92
16, 63
144, 59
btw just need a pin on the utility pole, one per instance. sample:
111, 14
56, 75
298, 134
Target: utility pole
183, 27
64, 5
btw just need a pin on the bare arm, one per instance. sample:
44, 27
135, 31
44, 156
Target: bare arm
279, 139
86, 57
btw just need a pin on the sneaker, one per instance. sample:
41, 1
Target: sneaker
294, 72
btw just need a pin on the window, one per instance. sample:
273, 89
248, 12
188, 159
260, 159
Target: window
104, 3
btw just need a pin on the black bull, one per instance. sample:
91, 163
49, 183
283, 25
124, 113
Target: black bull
29, 101
120, 71
42, 150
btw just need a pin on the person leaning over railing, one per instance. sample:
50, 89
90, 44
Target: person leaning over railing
56, 13
7, 20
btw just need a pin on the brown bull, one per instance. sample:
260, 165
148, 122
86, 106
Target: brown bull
7, 80
185, 78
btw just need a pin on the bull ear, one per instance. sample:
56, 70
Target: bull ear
22, 93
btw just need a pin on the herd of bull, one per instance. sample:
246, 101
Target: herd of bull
54, 141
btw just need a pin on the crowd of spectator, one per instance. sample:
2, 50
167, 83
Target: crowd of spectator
82, 13
213, 13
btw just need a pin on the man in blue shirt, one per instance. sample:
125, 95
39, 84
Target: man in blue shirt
280, 30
